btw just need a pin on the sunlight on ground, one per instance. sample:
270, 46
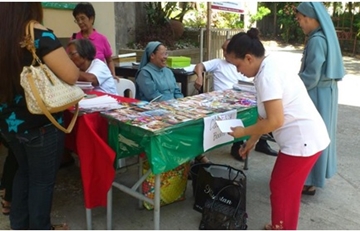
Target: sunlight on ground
349, 90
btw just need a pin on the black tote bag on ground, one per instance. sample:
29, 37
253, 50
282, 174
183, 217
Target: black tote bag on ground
209, 179
219, 214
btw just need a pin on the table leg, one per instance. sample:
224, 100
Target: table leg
246, 163
141, 162
109, 209
183, 79
184, 86
88, 219
157, 203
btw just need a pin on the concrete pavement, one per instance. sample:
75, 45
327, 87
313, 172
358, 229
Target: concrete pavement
334, 207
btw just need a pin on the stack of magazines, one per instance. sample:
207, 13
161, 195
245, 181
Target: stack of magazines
85, 86
245, 86
99, 103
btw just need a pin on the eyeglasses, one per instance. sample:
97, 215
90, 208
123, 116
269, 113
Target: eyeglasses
164, 54
80, 19
72, 54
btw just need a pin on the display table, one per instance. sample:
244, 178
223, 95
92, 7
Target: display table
170, 146
88, 140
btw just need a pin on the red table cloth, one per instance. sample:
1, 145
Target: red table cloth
88, 140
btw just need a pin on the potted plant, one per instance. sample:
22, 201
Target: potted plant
163, 22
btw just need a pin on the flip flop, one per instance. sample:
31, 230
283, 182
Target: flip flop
60, 227
309, 190
268, 227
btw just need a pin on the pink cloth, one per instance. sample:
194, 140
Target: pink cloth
102, 45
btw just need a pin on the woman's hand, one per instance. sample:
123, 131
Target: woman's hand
245, 149
117, 78
237, 132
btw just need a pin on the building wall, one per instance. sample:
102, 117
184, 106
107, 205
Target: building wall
128, 16
61, 21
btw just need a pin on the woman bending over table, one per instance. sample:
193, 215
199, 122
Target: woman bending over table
286, 110
82, 53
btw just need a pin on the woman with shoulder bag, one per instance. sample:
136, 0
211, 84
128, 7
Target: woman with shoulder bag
35, 141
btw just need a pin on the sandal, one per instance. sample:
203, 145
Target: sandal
60, 227
268, 227
201, 158
5, 207
309, 190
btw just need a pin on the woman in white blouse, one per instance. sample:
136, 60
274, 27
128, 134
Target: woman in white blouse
286, 110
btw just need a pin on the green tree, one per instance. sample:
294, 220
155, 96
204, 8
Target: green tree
260, 14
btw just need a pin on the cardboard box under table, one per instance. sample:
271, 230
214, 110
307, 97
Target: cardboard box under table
165, 150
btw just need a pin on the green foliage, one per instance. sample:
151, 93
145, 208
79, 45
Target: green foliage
196, 18
289, 28
159, 13
229, 20
182, 9
157, 26
260, 14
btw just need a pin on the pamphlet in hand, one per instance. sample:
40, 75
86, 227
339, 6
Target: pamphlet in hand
225, 125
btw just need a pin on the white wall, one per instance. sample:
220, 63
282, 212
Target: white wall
62, 21
105, 21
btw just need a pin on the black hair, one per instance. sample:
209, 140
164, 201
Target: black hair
84, 47
246, 43
84, 8
13, 19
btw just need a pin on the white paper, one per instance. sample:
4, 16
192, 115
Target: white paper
225, 125
212, 135
104, 101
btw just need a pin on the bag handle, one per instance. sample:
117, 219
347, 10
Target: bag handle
229, 169
29, 44
47, 113
221, 190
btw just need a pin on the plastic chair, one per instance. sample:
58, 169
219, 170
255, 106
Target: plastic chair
121, 86
126, 84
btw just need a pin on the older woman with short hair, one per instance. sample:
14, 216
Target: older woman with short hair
82, 53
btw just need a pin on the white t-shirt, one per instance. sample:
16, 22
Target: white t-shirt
304, 132
225, 74
102, 72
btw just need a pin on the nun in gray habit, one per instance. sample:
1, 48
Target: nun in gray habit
153, 80
321, 69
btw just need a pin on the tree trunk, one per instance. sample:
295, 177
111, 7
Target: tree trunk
275, 19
